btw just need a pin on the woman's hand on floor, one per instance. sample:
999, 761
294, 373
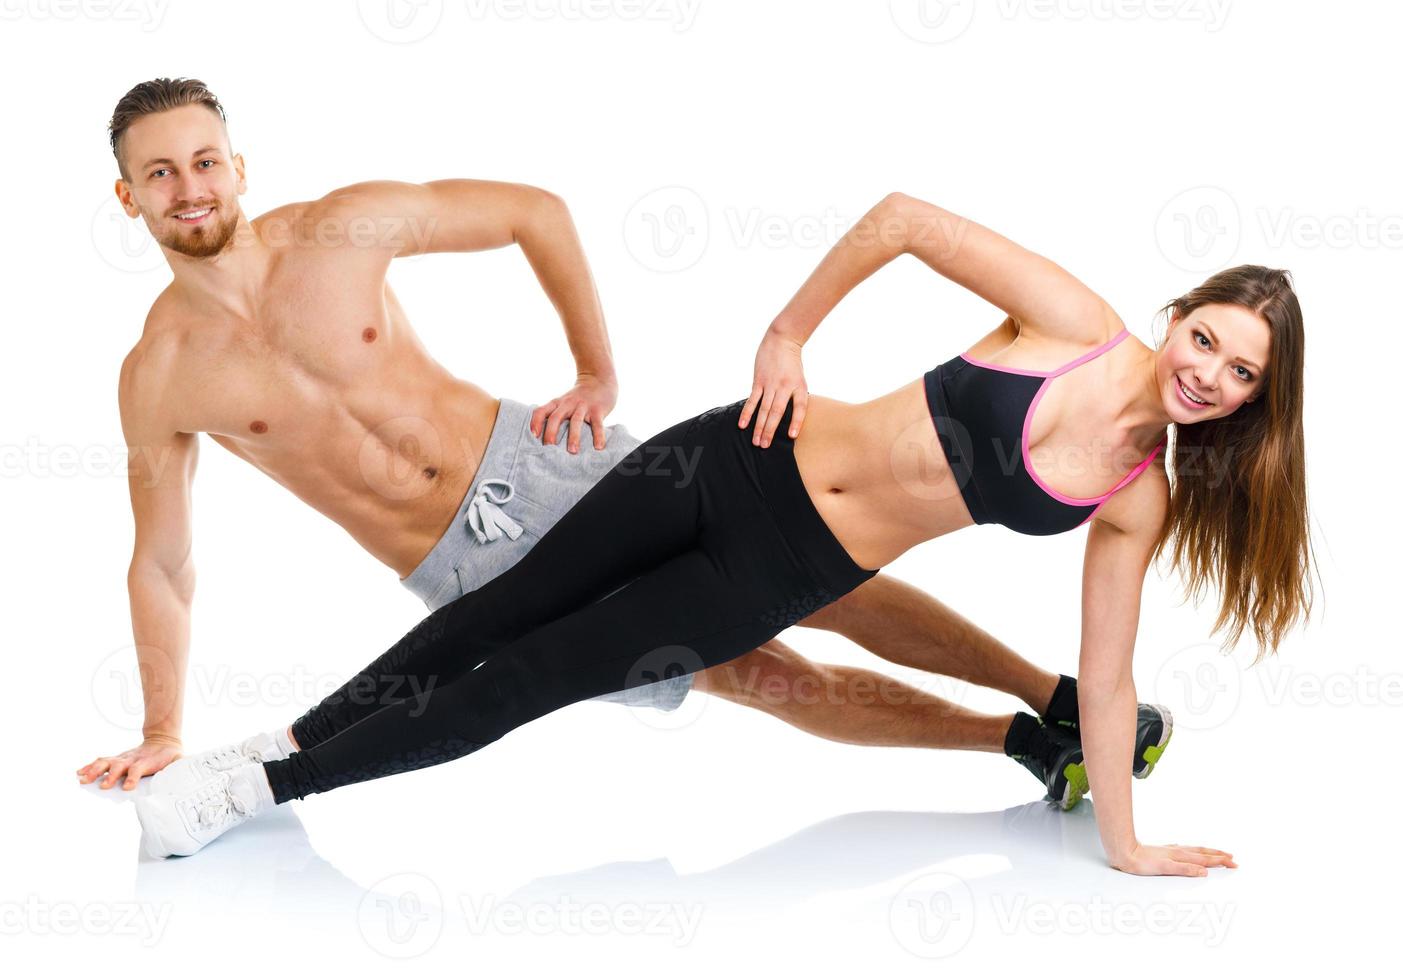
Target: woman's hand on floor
1174, 859
148, 758
779, 374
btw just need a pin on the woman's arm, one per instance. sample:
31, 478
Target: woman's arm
1113, 575
1028, 287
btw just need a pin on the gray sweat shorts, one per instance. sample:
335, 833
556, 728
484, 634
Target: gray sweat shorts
521, 488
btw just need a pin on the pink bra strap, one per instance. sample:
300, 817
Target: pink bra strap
1136, 472
1124, 332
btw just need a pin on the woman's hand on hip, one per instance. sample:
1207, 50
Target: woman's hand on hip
779, 375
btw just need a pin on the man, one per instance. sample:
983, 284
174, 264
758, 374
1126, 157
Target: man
281, 339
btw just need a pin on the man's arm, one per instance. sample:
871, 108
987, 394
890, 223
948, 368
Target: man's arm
460, 215
161, 577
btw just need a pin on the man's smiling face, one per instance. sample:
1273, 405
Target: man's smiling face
183, 179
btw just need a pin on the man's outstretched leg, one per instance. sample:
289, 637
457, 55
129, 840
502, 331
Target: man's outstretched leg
850, 704
904, 625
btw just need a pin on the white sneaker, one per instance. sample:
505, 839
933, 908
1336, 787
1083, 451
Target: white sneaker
182, 823
185, 774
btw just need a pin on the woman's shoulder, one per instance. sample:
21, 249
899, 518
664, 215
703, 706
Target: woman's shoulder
1066, 336
1142, 505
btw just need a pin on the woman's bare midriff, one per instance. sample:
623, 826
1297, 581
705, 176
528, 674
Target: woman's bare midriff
877, 474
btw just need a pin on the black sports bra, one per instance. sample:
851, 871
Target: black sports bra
982, 414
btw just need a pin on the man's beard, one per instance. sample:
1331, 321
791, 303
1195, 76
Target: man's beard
202, 240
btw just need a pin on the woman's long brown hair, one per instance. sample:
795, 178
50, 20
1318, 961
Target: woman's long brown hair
1238, 519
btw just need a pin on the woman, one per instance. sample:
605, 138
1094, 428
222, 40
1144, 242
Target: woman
712, 536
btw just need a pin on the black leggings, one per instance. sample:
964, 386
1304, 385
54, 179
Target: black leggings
696, 548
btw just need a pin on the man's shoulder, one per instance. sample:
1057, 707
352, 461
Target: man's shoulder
354, 197
152, 362
365, 213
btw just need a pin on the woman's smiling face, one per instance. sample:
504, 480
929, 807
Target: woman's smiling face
1212, 362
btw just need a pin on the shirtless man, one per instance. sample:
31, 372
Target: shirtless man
281, 340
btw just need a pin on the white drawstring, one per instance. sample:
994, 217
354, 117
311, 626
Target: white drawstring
486, 518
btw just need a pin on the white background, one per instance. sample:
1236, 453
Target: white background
1141, 146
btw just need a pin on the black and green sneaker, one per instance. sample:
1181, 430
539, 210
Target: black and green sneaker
1055, 758
1154, 724
1152, 730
